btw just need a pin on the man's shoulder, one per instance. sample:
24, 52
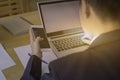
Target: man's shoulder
92, 61
67, 66
70, 59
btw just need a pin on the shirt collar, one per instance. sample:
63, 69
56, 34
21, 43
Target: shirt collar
87, 38
105, 38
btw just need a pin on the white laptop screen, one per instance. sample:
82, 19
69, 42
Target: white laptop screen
60, 15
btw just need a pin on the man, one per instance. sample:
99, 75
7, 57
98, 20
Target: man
100, 19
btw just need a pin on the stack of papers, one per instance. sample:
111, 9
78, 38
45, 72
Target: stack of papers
16, 25
23, 51
5, 61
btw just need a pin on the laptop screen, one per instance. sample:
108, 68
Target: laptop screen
59, 16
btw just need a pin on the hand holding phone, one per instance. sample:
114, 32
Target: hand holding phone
39, 32
35, 47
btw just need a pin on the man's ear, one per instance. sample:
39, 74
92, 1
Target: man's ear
87, 8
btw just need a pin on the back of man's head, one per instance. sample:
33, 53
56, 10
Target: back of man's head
106, 8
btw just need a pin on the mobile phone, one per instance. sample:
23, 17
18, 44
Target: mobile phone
40, 32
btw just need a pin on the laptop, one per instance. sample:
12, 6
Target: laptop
61, 22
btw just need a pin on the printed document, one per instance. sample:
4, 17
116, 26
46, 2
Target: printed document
5, 59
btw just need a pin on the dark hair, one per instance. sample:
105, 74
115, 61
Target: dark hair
106, 8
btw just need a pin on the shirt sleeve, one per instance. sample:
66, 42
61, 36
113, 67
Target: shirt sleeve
33, 69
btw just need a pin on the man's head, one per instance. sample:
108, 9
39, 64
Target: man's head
96, 14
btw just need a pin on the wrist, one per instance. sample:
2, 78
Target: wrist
38, 54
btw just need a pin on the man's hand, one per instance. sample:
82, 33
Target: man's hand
35, 45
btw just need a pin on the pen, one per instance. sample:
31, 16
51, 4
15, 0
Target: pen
41, 59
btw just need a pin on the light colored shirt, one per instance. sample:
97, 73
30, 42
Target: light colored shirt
88, 38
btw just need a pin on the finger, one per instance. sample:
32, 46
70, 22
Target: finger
31, 36
37, 43
37, 40
41, 39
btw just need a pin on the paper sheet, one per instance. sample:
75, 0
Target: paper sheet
2, 77
5, 59
48, 56
23, 51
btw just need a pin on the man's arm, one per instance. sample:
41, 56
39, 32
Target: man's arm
33, 69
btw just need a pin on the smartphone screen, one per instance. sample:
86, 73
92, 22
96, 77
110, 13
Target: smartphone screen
40, 32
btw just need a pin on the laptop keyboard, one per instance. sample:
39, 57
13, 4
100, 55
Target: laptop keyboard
68, 43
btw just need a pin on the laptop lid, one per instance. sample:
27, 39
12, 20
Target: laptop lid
60, 17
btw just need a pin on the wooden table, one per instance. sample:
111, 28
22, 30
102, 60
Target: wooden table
10, 41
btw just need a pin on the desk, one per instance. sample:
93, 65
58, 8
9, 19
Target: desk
10, 41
